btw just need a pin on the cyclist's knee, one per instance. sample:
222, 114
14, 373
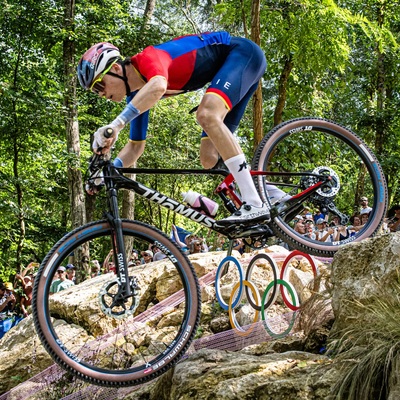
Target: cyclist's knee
210, 114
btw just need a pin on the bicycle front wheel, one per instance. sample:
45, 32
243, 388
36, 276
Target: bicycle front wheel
117, 343
295, 153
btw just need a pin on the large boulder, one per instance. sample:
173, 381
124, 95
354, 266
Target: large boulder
359, 272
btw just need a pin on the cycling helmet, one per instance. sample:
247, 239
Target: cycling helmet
96, 60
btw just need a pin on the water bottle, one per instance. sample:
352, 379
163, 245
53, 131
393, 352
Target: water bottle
201, 203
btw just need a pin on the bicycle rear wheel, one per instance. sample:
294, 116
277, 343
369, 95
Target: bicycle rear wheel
109, 343
315, 145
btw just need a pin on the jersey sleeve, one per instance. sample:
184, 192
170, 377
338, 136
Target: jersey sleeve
152, 62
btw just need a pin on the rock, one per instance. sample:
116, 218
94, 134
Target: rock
359, 270
222, 375
268, 370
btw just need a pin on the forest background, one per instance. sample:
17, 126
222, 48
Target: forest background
338, 60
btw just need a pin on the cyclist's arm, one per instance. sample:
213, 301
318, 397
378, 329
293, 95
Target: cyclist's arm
131, 152
150, 93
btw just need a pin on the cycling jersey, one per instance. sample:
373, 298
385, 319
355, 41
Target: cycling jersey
232, 66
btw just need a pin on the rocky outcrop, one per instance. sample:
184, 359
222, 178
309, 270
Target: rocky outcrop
360, 271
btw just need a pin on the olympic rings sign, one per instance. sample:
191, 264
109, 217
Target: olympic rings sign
247, 287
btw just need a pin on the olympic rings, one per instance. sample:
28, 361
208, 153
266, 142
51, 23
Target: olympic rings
232, 316
269, 296
284, 276
222, 269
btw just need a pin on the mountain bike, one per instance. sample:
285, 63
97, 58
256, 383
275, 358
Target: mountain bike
143, 318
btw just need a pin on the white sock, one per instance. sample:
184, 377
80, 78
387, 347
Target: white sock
241, 172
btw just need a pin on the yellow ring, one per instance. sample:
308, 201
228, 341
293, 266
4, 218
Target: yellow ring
256, 296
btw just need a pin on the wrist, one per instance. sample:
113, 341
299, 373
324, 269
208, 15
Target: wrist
118, 162
129, 113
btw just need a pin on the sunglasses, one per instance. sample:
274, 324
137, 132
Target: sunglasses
60, 272
97, 85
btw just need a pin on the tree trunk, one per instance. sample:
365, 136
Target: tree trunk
75, 186
18, 187
282, 91
257, 98
148, 13
128, 212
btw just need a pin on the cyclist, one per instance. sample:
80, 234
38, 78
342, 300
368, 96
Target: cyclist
232, 66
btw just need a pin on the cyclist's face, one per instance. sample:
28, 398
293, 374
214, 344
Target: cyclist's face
110, 87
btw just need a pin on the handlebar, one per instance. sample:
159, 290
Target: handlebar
109, 132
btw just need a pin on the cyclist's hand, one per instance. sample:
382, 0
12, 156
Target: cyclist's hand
102, 142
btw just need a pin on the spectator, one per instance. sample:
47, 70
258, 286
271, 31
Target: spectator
7, 298
27, 288
364, 218
364, 206
239, 245
108, 263
324, 233
222, 243
61, 283
135, 257
147, 256
356, 224
393, 223
95, 270
300, 226
71, 272
184, 245
309, 224
196, 246
307, 213
335, 221
157, 253
319, 215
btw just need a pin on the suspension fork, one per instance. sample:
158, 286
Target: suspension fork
118, 244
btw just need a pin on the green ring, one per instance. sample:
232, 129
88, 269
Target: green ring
263, 317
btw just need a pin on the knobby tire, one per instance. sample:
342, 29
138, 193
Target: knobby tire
112, 351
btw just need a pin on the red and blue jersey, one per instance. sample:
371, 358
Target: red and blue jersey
233, 66
187, 62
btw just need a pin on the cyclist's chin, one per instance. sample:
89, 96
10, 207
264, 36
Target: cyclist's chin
116, 98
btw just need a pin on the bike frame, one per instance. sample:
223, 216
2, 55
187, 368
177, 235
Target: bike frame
115, 179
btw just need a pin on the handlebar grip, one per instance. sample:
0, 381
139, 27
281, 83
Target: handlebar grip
109, 132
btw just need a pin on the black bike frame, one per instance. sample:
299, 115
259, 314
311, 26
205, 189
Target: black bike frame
225, 190
115, 179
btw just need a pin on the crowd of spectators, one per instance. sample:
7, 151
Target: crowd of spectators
192, 242
324, 228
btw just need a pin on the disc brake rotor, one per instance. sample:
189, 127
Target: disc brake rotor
332, 189
115, 305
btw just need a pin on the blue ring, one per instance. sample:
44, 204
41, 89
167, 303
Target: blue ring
221, 302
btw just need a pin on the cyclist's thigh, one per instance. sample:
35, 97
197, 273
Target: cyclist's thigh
242, 69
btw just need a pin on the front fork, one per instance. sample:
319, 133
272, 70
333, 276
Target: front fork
119, 254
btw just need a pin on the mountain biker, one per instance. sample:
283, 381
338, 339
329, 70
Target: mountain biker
231, 66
